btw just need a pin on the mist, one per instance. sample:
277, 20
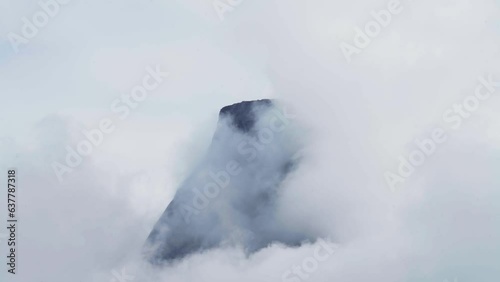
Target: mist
356, 121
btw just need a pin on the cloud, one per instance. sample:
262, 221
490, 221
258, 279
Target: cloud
359, 117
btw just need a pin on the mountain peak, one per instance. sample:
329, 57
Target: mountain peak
243, 113
232, 197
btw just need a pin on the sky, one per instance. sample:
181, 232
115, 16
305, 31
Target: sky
366, 112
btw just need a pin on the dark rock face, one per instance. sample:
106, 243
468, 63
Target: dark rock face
232, 197
243, 113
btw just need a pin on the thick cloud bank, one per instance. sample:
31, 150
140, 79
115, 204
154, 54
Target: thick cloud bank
426, 63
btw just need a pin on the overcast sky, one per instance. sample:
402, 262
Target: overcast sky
364, 111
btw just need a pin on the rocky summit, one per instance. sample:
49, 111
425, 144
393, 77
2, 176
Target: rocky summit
231, 198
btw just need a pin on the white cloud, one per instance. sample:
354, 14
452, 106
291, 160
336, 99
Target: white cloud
443, 224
